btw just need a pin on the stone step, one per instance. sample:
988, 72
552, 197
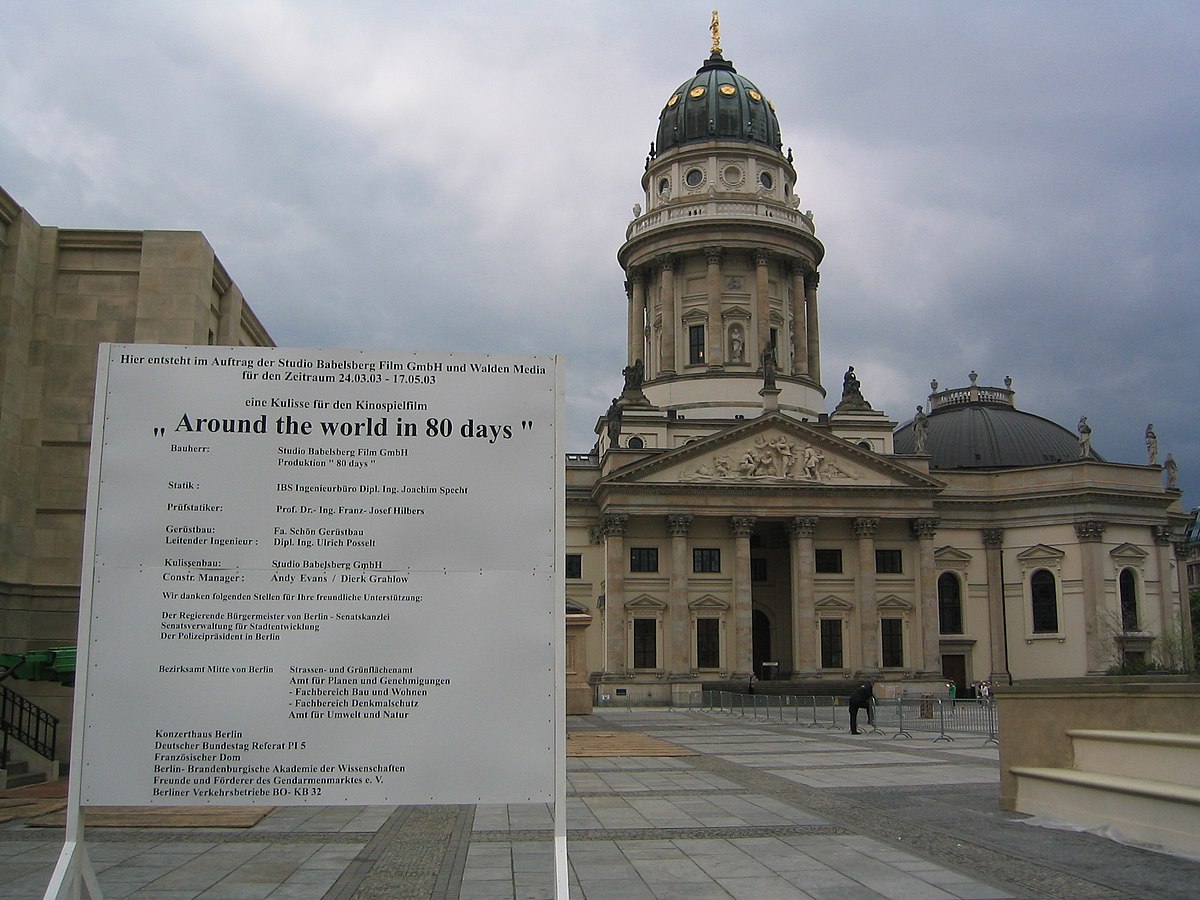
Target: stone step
1141, 809
17, 774
1154, 755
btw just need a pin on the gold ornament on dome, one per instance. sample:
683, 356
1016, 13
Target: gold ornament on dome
697, 91
674, 99
715, 27
755, 96
728, 90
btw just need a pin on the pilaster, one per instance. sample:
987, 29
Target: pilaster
741, 527
679, 645
993, 542
804, 638
614, 591
928, 624
1090, 534
868, 610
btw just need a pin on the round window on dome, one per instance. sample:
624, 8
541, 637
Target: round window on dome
674, 99
694, 178
697, 91
728, 90
732, 175
765, 179
755, 96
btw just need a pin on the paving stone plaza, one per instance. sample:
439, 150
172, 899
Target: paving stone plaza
764, 810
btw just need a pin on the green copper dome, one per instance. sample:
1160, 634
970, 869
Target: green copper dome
717, 104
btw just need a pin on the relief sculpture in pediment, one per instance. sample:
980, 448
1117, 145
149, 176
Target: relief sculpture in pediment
774, 459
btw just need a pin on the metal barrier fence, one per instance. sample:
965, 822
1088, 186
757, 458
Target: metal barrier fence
903, 714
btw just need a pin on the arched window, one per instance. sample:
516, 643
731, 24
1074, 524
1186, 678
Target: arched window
949, 604
1129, 610
1044, 595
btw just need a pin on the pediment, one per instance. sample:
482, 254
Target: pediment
832, 604
892, 603
1128, 554
950, 556
646, 603
773, 450
695, 315
708, 603
1041, 553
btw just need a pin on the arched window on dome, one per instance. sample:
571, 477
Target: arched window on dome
1043, 591
1127, 584
949, 604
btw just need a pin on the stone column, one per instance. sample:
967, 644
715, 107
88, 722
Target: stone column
868, 612
1182, 554
804, 623
636, 291
1091, 550
928, 625
811, 281
741, 527
614, 592
669, 314
762, 300
679, 657
799, 321
993, 541
716, 331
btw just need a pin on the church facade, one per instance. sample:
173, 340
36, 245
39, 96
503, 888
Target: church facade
728, 526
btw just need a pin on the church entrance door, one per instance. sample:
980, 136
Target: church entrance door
761, 642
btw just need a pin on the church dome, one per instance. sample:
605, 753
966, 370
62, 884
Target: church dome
981, 428
717, 104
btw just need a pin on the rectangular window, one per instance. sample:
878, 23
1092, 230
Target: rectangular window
643, 559
706, 559
758, 569
828, 561
889, 562
645, 643
708, 643
1044, 593
696, 344
891, 633
831, 644
574, 565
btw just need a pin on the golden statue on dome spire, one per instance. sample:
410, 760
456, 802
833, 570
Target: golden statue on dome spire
715, 27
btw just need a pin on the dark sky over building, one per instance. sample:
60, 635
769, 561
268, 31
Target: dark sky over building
1006, 188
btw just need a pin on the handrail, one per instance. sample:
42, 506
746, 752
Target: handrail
900, 715
28, 723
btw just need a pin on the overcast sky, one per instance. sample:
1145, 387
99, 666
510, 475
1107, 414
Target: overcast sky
1008, 187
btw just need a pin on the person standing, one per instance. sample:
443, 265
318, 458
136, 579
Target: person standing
863, 697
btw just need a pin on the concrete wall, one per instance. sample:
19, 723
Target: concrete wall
1034, 717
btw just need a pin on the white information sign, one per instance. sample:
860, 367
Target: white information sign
321, 577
